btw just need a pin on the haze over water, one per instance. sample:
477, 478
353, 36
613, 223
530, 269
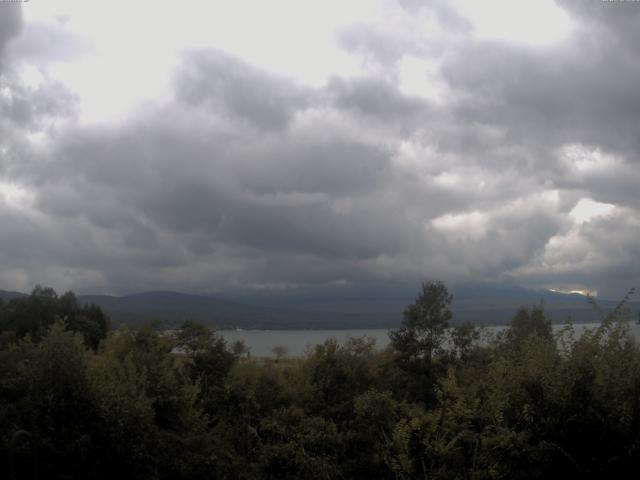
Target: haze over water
297, 342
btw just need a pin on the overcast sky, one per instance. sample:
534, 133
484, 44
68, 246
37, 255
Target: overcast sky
204, 145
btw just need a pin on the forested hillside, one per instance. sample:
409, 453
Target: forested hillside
78, 400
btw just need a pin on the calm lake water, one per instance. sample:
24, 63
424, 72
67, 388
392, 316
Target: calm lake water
298, 341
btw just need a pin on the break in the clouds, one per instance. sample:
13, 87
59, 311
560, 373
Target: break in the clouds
383, 142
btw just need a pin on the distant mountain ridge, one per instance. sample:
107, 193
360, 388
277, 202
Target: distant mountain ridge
9, 295
342, 308
171, 308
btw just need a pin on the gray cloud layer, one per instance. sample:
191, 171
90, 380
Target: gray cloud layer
10, 23
245, 178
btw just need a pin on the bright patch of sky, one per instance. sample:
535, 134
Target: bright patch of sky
15, 196
135, 44
586, 209
534, 22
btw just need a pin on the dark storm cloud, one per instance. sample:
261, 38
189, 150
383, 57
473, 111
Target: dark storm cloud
615, 181
209, 186
43, 42
551, 98
10, 22
228, 86
581, 91
10, 27
248, 178
24, 107
601, 254
619, 19
513, 111
186, 185
376, 97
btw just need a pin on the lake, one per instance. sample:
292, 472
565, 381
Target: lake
297, 341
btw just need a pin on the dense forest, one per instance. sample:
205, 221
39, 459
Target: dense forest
80, 400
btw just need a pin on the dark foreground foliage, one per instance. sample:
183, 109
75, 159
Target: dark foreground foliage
78, 402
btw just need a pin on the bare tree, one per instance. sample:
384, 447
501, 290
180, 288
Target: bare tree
279, 351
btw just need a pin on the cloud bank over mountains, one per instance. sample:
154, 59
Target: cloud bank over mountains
445, 155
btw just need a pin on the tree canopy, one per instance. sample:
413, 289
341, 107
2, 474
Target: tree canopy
437, 403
